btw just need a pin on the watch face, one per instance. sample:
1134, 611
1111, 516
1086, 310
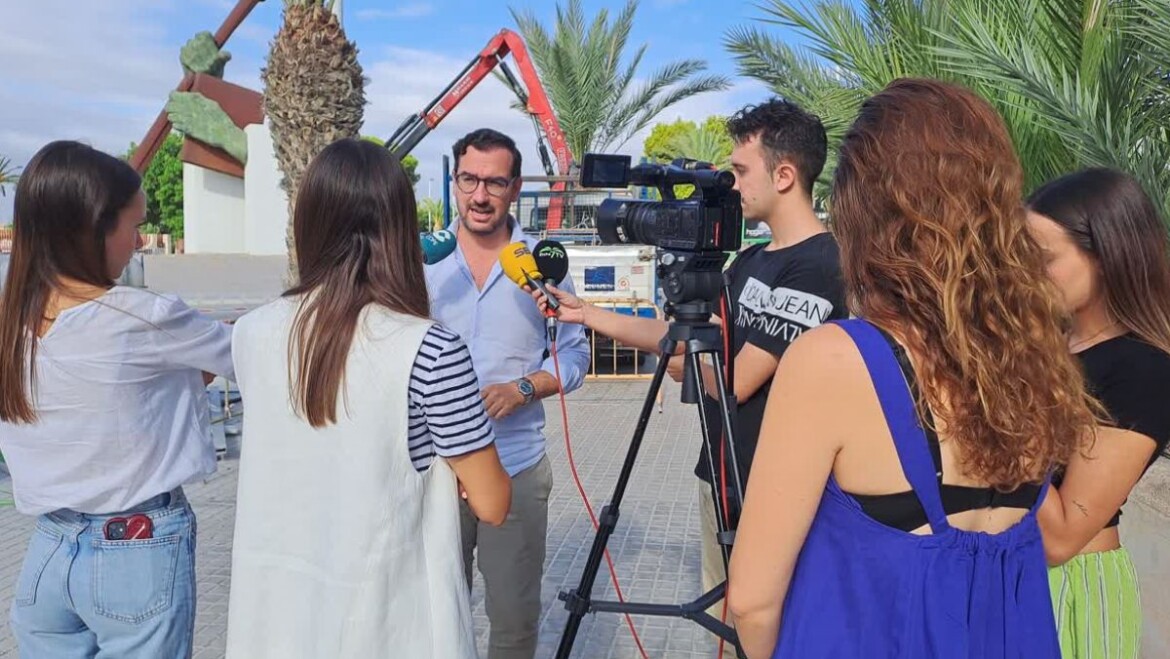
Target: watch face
526, 387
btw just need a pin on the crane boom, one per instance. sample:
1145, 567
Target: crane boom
548, 130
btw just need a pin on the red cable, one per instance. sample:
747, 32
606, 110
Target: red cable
581, 489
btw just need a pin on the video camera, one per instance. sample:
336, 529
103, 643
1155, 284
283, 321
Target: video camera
711, 219
693, 235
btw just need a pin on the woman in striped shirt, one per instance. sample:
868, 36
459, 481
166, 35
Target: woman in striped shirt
347, 540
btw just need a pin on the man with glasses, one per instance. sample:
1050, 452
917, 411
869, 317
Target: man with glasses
506, 335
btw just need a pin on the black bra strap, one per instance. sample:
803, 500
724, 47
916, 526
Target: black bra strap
926, 420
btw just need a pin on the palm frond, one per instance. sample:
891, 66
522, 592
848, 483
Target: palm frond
633, 110
1088, 99
8, 175
1078, 82
591, 79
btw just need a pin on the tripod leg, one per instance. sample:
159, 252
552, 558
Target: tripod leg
728, 434
578, 601
694, 375
736, 495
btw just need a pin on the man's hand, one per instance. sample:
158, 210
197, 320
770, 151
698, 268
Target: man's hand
500, 400
674, 368
572, 309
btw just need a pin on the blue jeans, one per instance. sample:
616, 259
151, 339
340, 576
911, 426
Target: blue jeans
82, 596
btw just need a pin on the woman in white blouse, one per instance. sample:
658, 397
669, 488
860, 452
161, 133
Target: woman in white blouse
103, 418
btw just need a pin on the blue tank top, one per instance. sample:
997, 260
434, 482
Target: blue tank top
864, 589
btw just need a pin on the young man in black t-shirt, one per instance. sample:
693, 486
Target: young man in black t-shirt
778, 289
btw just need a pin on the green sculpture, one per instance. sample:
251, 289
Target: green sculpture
197, 116
201, 55
201, 118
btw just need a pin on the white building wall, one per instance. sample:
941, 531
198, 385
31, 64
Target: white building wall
213, 212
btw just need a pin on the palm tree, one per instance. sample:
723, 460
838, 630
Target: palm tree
314, 92
592, 91
1094, 80
708, 142
8, 175
430, 214
1077, 81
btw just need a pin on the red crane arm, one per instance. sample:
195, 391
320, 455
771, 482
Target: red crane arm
536, 102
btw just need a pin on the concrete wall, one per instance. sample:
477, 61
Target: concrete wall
1145, 531
213, 211
265, 204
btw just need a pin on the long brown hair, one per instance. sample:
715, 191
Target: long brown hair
927, 203
67, 201
1110, 217
355, 229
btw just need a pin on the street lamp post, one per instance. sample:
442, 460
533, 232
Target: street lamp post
430, 206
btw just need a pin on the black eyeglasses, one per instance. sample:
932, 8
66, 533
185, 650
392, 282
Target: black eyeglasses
496, 186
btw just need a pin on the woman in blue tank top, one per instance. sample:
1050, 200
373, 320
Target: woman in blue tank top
890, 511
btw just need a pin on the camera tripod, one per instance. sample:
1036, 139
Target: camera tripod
692, 328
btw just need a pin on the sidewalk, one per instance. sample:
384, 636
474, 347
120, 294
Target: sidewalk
655, 546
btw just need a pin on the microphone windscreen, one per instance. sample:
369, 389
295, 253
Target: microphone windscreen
437, 246
551, 260
517, 261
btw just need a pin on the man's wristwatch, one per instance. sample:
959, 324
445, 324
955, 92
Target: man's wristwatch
527, 389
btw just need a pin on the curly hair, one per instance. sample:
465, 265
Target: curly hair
787, 132
927, 203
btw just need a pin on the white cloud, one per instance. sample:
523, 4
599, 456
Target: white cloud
412, 10
94, 71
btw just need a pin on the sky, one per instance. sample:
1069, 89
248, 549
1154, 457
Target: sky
99, 71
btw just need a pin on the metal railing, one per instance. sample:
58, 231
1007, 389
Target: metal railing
578, 210
612, 360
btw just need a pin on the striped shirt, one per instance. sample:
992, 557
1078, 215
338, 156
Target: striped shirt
447, 417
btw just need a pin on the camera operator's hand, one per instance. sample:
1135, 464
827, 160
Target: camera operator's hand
572, 308
674, 367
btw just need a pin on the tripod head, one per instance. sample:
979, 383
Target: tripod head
691, 282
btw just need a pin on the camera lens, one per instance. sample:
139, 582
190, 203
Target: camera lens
622, 221
611, 215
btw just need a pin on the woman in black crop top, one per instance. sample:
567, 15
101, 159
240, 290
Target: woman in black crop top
1107, 253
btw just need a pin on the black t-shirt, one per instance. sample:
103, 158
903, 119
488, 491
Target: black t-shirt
1131, 378
775, 296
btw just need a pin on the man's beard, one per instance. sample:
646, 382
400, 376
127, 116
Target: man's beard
480, 229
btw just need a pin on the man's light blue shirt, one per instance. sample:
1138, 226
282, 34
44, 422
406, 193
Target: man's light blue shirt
505, 332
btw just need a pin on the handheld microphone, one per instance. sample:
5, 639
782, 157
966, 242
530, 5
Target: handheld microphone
520, 266
437, 246
551, 260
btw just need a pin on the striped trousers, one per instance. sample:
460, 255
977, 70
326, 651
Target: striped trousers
1098, 610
